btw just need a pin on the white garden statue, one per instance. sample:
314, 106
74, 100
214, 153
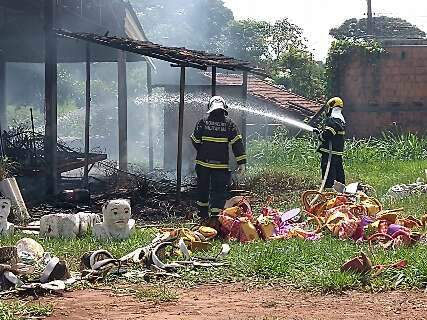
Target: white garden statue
116, 223
67, 225
6, 228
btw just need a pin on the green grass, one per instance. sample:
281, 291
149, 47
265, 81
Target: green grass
73, 250
315, 266
380, 163
21, 310
156, 294
285, 168
300, 264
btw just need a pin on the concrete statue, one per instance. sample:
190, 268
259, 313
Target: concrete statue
116, 223
67, 225
6, 228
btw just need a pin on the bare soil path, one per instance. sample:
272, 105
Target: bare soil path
238, 302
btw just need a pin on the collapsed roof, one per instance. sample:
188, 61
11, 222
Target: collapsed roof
179, 56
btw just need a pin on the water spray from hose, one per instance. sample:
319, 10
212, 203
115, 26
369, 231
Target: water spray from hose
281, 119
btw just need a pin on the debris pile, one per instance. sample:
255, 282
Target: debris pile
238, 223
361, 218
401, 191
348, 215
26, 267
26, 149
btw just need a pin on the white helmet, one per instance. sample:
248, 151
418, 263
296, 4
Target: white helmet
217, 103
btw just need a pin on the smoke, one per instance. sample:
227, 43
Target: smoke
260, 119
197, 24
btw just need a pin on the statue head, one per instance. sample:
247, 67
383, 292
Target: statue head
5, 206
116, 213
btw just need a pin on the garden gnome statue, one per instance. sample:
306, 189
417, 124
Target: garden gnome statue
116, 223
6, 228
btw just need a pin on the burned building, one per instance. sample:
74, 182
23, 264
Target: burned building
55, 31
28, 36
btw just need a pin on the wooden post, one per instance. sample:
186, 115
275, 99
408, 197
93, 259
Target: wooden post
244, 101
266, 129
51, 132
150, 119
122, 111
87, 117
180, 134
3, 113
213, 81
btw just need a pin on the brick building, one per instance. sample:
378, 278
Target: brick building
389, 93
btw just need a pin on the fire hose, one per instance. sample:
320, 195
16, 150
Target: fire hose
325, 177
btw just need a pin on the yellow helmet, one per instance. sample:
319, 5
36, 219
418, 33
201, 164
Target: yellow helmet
335, 102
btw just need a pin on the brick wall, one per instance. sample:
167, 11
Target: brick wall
386, 94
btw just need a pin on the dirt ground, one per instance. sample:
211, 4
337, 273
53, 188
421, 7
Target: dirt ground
237, 302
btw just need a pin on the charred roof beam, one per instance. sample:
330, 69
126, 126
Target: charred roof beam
180, 56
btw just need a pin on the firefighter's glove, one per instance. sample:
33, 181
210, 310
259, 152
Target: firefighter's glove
241, 169
316, 132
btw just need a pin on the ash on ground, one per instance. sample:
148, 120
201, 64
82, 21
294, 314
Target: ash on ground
152, 195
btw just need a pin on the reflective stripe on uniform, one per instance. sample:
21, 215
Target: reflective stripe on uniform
341, 133
195, 139
202, 204
336, 153
215, 211
212, 165
213, 139
236, 138
243, 157
331, 130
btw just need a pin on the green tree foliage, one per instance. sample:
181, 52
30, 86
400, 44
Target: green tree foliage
199, 24
297, 70
208, 25
384, 27
285, 35
249, 40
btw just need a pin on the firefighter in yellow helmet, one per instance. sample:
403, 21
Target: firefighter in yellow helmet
212, 138
333, 136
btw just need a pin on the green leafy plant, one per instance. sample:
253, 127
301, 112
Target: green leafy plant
20, 310
384, 27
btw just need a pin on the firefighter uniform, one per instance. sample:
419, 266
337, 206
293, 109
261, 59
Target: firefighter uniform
333, 134
212, 138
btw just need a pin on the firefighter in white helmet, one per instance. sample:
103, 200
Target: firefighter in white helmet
212, 137
333, 135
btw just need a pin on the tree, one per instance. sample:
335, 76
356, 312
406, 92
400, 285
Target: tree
384, 27
298, 71
197, 24
208, 25
248, 40
285, 35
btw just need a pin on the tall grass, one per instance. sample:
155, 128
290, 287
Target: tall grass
380, 162
284, 151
